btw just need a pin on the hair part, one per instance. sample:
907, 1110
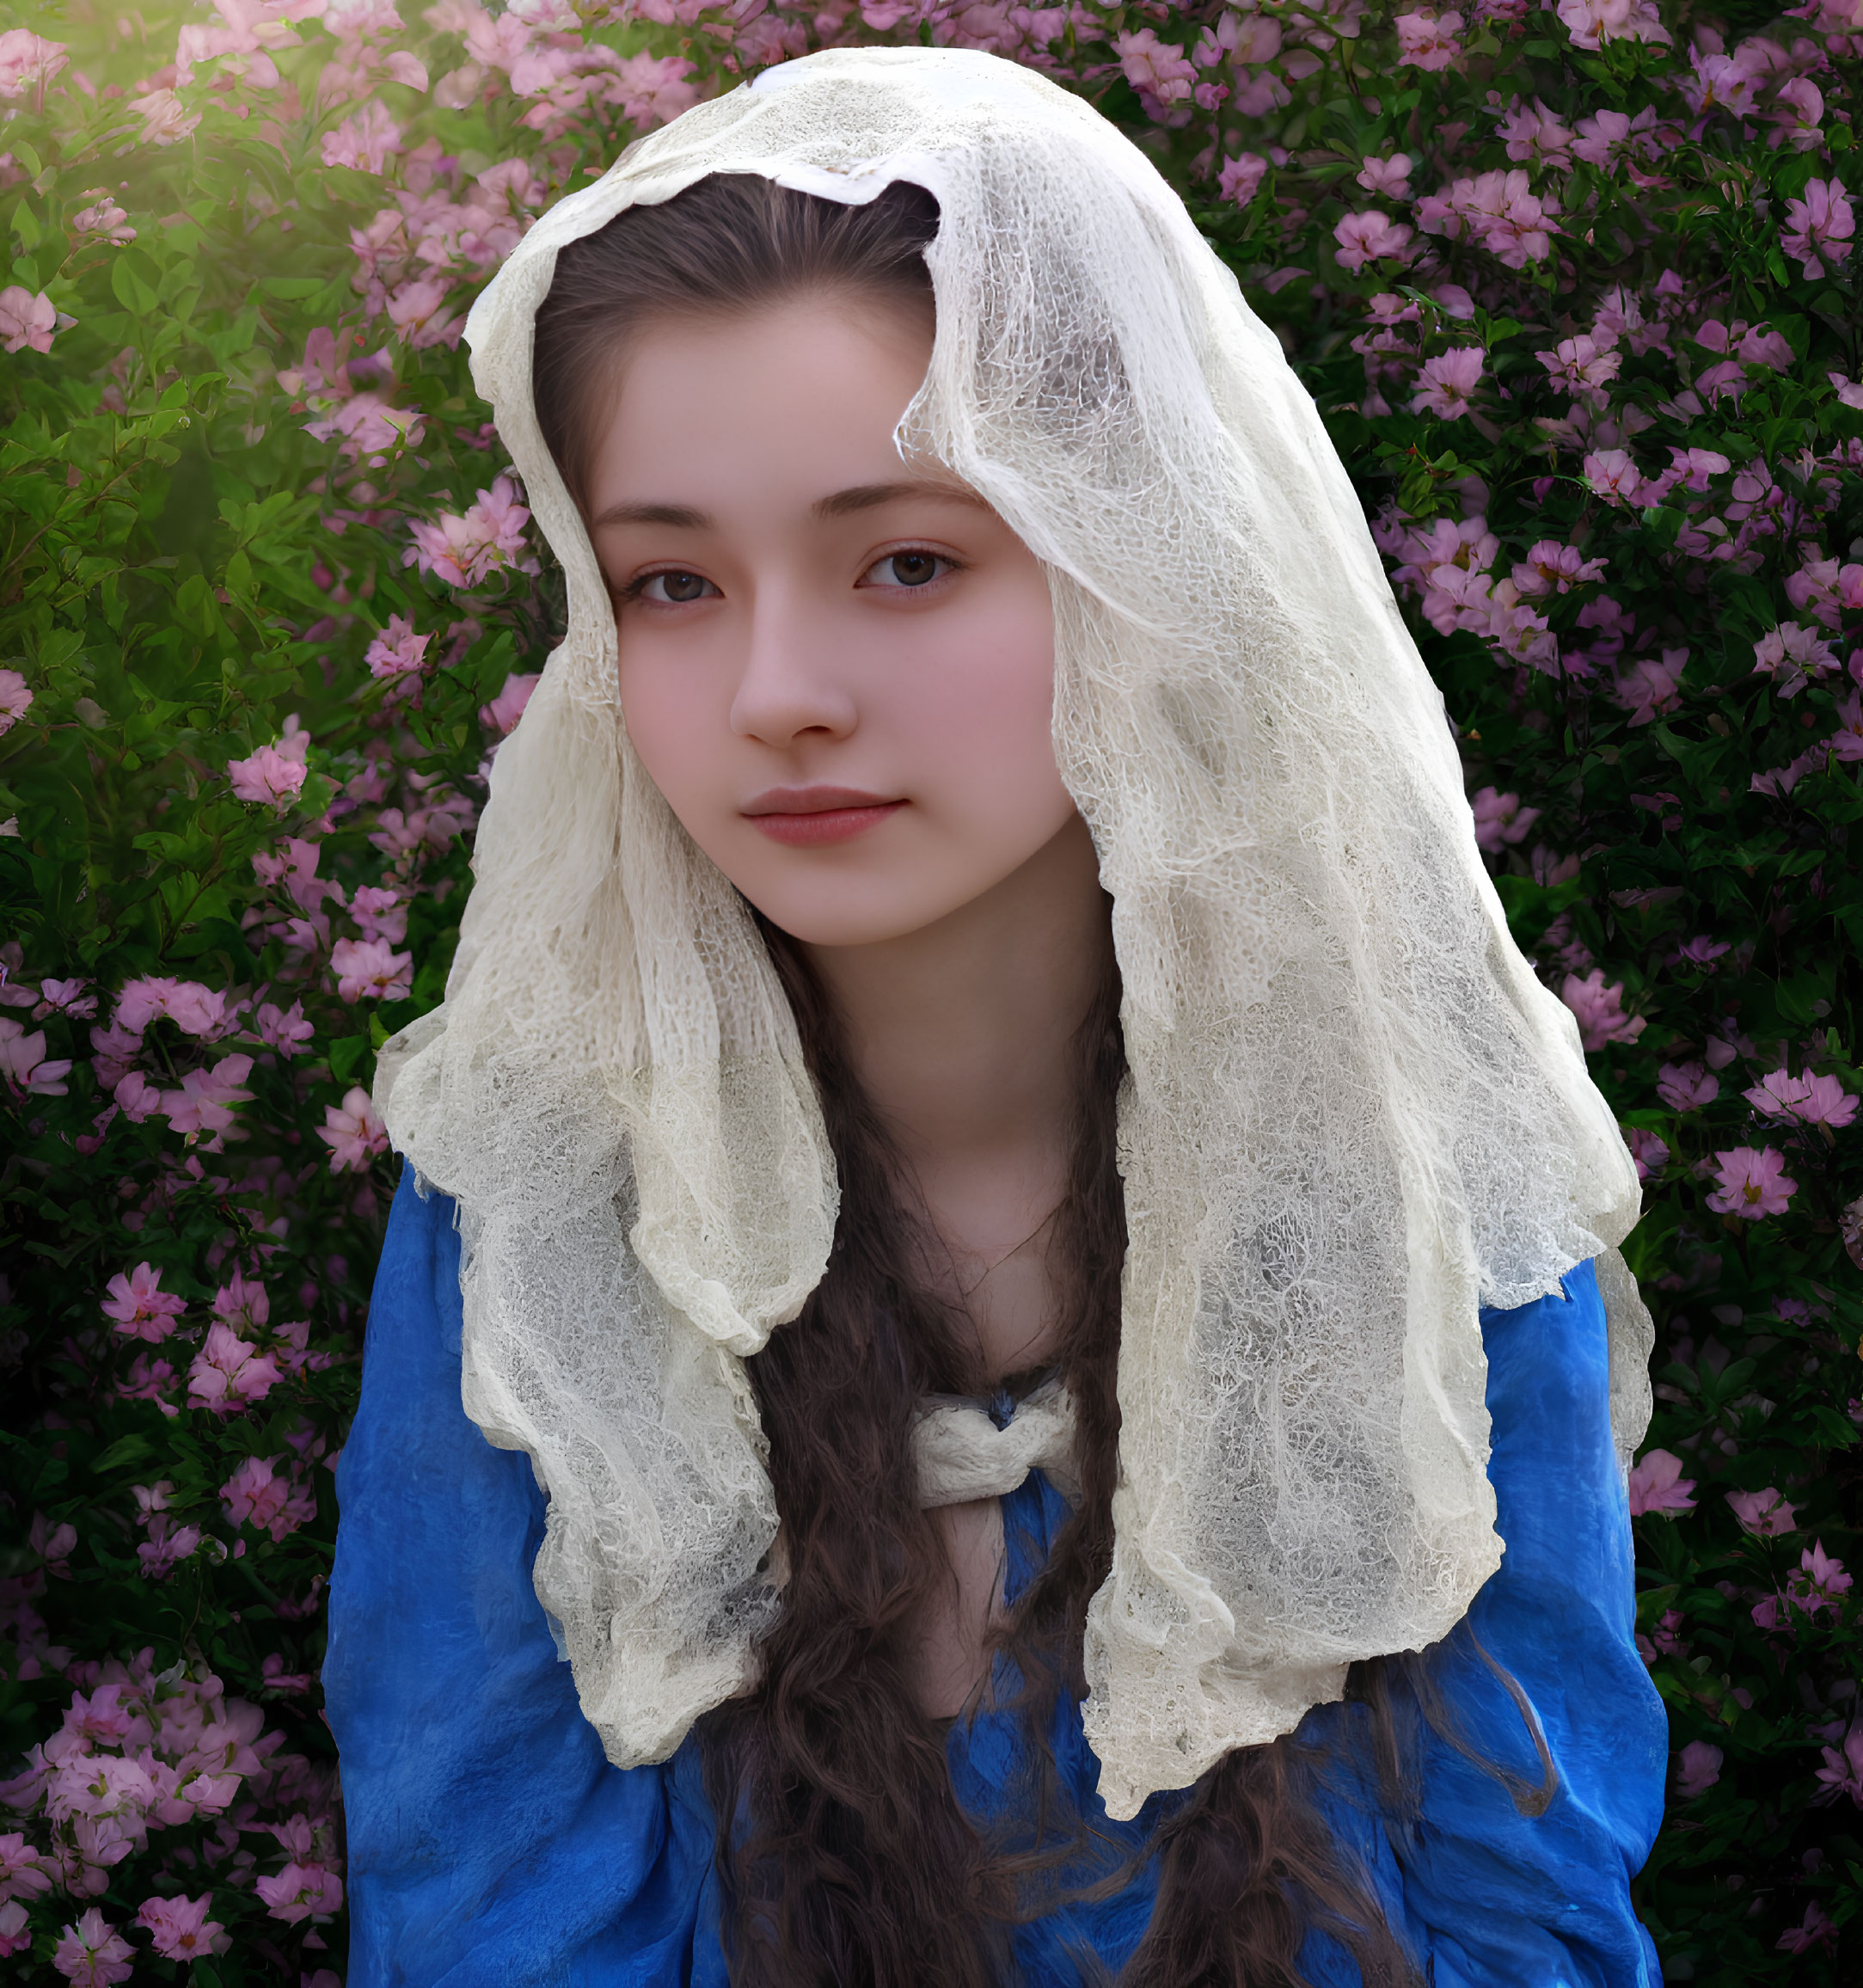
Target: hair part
727, 246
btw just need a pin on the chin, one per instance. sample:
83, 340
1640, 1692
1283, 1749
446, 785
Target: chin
832, 913
818, 924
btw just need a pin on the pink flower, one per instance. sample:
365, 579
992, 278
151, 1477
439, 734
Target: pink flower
165, 122
283, 1030
1697, 1769
1849, 391
141, 1308
1446, 384
1651, 1153
1499, 210
652, 91
1686, 1086
1154, 68
1240, 177
229, 1374
1765, 1513
16, 1930
1701, 951
502, 713
1369, 237
1818, 228
1535, 135
1387, 178
15, 700
23, 1873
1428, 40
365, 142
195, 1009
1611, 475
301, 1892
1657, 1486
1818, 1101
166, 1546
416, 310
1819, 1928
27, 62
1600, 1009
1842, 1774
462, 551
23, 1064
203, 1107
241, 1302
93, 1954
1551, 567
1592, 22
255, 1495
1650, 685
1500, 820
1792, 656
371, 969
1821, 1581
1666, 1639
397, 651
368, 428
266, 775
26, 319
103, 218
1602, 139
382, 914
1753, 1183
1580, 364
353, 1131
70, 997
182, 1930
147, 1382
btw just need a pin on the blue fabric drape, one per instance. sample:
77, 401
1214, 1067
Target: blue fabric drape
490, 1841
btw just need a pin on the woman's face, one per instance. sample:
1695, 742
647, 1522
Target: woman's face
838, 669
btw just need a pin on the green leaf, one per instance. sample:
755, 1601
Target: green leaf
133, 1450
347, 1056
131, 292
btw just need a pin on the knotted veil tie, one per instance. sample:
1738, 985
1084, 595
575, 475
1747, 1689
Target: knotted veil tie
962, 1454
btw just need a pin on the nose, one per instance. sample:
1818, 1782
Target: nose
790, 686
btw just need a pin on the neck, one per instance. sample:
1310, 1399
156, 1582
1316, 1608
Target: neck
961, 1035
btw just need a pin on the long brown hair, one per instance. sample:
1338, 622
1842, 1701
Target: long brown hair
847, 1860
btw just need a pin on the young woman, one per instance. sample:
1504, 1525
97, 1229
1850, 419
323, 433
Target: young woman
988, 1144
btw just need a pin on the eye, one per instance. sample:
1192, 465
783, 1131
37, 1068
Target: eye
914, 568
672, 589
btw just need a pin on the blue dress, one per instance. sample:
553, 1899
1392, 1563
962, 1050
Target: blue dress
491, 1842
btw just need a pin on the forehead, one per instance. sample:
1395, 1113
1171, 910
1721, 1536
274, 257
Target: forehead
806, 393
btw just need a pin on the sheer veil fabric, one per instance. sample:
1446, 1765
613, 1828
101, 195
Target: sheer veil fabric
1354, 1114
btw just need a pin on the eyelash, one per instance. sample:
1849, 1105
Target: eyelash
636, 588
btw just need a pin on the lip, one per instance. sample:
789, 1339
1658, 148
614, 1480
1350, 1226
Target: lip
809, 817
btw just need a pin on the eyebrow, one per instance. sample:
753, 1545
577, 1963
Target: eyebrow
841, 504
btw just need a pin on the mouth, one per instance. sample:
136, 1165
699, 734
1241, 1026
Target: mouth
808, 816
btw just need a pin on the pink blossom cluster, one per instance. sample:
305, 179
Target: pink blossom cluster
139, 1753
465, 550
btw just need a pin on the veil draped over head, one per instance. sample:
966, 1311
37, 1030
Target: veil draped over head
1353, 1115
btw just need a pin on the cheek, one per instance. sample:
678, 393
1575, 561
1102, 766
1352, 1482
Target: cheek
676, 719
977, 706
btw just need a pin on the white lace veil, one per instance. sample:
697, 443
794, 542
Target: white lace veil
1354, 1114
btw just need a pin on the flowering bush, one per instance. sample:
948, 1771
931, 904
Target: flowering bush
1576, 287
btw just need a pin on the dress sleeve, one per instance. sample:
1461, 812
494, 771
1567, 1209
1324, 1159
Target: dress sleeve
489, 1839
1486, 1894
